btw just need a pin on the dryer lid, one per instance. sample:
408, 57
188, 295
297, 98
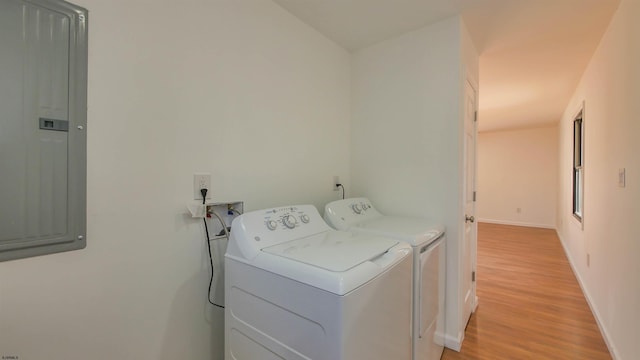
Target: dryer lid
334, 251
415, 231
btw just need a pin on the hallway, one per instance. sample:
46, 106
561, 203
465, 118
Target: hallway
530, 303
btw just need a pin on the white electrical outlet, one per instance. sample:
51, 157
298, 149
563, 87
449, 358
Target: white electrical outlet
201, 181
336, 180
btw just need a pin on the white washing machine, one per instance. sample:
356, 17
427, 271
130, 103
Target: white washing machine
427, 241
297, 289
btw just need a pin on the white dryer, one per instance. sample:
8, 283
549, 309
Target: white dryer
427, 241
297, 289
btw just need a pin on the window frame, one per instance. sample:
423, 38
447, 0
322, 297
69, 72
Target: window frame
578, 166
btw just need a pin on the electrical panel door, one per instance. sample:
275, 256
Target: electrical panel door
42, 128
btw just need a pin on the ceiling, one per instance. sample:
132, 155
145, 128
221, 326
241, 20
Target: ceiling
532, 52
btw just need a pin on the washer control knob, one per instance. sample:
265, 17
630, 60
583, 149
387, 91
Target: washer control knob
356, 208
289, 221
271, 225
305, 218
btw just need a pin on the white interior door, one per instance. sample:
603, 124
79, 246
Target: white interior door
470, 229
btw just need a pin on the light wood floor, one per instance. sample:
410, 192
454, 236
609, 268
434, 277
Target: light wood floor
530, 303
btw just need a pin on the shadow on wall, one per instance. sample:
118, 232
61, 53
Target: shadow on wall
193, 323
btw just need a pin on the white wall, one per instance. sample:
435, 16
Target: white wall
237, 88
518, 169
610, 236
407, 131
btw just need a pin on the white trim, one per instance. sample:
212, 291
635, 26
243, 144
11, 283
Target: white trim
454, 343
472, 81
594, 311
580, 110
516, 223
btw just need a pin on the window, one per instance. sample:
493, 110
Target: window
43, 113
578, 166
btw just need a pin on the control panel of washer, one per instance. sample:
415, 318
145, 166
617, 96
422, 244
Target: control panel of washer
342, 214
360, 207
286, 218
256, 230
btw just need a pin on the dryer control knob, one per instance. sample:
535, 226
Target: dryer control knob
356, 208
271, 225
289, 221
305, 218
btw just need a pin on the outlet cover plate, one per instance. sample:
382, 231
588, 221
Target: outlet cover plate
201, 181
622, 174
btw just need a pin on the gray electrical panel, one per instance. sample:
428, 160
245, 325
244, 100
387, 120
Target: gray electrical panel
43, 110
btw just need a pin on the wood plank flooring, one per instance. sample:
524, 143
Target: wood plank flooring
530, 303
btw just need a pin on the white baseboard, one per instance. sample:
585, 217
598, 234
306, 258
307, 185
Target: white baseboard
516, 223
454, 343
594, 311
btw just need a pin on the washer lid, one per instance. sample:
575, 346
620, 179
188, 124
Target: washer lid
415, 231
334, 251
